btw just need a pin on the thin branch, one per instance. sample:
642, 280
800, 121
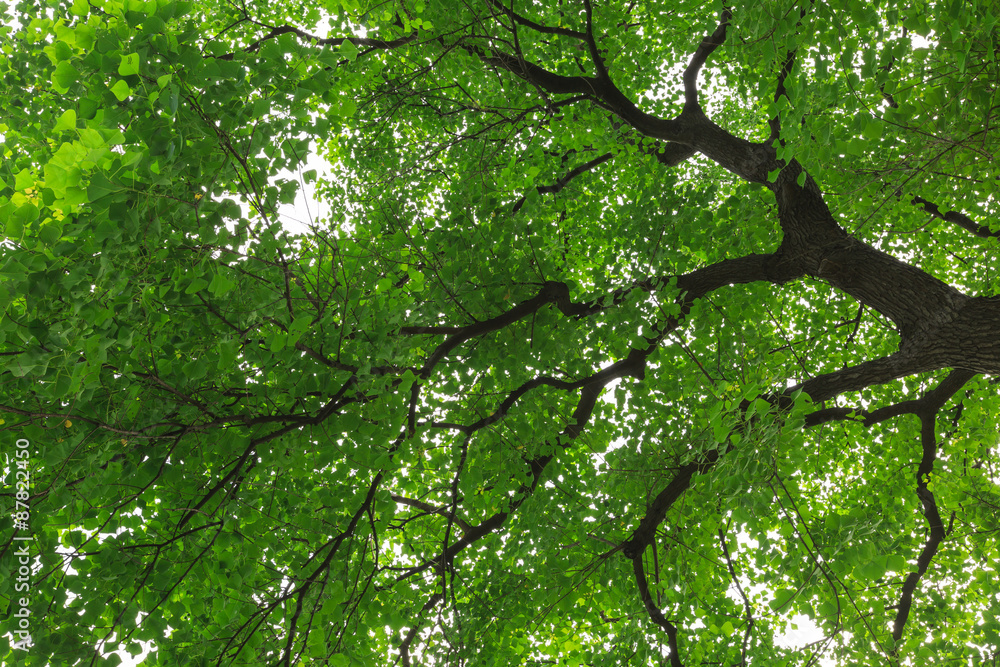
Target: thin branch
277, 31
709, 44
430, 509
404, 646
595, 52
931, 404
786, 69
739, 589
537, 27
654, 612
564, 181
955, 217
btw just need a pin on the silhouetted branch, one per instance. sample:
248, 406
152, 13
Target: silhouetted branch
701, 54
960, 219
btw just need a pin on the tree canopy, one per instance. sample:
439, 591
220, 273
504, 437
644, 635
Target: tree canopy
636, 332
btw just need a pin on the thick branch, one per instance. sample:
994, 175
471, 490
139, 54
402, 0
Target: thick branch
931, 403
643, 535
550, 82
855, 378
671, 154
926, 408
813, 242
693, 286
691, 128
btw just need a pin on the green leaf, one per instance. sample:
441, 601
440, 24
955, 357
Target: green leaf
197, 285
220, 285
64, 76
101, 186
129, 66
67, 121
349, 50
24, 179
782, 598
873, 130
121, 90
49, 233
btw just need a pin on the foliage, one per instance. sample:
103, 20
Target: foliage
619, 345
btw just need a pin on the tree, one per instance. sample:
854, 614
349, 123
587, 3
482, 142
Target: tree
636, 332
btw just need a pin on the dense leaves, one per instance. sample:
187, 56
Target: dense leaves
631, 333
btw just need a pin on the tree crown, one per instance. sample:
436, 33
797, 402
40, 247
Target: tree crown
631, 332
